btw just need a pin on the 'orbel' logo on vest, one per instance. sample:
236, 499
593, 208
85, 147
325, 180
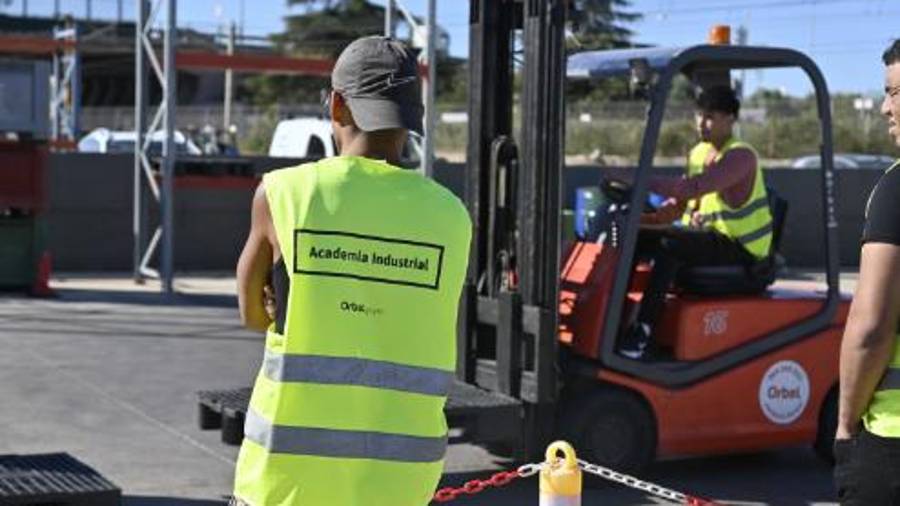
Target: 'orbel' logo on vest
358, 308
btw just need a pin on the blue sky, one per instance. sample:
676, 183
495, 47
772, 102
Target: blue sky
845, 37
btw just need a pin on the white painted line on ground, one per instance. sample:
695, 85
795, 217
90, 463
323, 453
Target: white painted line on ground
130, 407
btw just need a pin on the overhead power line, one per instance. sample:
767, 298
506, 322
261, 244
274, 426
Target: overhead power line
768, 5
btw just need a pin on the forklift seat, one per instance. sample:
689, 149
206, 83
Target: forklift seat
739, 279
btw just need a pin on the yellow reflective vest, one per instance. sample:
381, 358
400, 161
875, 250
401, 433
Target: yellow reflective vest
749, 224
347, 409
882, 416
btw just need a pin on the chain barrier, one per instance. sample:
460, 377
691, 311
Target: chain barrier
505, 477
473, 487
644, 486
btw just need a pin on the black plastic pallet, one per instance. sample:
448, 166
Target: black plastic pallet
225, 410
56, 479
466, 406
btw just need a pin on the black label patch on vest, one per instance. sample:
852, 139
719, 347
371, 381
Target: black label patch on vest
367, 257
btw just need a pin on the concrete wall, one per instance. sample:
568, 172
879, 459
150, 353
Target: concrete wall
90, 216
90, 219
802, 243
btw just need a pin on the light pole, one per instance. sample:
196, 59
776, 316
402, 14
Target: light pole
389, 19
864, 105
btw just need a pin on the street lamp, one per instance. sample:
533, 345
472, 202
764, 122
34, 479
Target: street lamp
864, 105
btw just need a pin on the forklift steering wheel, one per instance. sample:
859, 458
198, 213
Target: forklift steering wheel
616, 190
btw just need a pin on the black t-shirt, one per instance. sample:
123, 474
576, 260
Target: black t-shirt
883, 210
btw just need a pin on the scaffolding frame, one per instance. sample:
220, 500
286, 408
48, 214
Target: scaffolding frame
145, 60
65, 98
429, 59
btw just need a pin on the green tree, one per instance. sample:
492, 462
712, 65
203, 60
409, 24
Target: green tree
599, 24
328, 25
322, 31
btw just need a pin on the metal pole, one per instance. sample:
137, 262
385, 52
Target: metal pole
242, 18
24, 8
55, 116
89, 10
119, 11
75, 87
229, 80
166, 194
55, 8
140, 123
389, 18
430, 116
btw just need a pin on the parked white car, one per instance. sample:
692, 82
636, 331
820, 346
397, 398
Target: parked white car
311, 138
845, 161
103, 140
303, 138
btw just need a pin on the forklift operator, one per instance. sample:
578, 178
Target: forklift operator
720, 205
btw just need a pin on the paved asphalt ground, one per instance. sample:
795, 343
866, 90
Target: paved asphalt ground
108, 372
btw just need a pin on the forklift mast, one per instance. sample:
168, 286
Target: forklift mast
507, 342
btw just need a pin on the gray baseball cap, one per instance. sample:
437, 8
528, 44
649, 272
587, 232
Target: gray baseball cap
379, 78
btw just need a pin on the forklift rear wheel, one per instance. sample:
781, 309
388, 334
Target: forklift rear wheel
612, 428
827, 427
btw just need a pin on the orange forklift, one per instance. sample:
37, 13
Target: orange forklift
746, 364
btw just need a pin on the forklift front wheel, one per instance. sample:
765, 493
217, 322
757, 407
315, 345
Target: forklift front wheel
827, 427
612, 428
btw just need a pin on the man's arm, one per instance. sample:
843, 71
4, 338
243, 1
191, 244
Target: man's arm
669, 211
255, 265
869, 334
735, 166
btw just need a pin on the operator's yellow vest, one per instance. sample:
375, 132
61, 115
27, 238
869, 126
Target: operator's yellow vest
882, 417
750, 224
347, 409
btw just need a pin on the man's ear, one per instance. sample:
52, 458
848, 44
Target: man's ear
340, 113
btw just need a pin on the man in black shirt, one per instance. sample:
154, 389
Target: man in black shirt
867, 442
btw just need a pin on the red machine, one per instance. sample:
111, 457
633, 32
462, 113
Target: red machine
781, 398
746, 361
744, 364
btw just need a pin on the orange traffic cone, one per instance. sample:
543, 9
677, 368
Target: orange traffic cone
41, 286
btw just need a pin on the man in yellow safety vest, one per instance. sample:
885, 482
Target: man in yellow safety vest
367, 263
722, 208
867, 441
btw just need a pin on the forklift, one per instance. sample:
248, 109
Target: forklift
746, 365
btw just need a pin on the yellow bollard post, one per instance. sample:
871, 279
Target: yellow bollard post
560, 477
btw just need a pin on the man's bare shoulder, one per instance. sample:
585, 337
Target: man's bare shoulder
261, 219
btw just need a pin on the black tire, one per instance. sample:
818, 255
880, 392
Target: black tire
613, 428
824, 444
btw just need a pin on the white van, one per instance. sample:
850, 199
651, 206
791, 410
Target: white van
103, 140
311, 138
303, 138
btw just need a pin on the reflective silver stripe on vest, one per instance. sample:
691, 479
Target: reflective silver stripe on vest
342, 443
891, 380
358, 372
756, 234
739, 213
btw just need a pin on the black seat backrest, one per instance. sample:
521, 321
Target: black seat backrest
779, 208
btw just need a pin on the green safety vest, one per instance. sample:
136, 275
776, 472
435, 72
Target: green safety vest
347, 408
882, 416
750, 224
